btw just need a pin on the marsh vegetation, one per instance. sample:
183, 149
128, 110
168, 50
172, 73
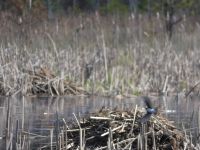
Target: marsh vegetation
103, 54
117, 49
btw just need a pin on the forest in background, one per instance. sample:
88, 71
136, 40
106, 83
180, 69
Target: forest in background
52, 7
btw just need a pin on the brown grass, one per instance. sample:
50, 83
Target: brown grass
105, 54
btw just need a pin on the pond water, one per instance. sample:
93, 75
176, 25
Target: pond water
36, 116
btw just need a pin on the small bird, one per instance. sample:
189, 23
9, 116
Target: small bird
149, 109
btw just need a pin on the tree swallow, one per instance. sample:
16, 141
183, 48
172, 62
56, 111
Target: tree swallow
149, 109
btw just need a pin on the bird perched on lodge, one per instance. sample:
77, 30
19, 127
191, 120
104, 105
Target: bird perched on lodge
150, 110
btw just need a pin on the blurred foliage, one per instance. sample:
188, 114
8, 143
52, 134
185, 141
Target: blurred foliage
105, 6
115, 6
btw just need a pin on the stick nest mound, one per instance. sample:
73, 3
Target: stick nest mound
108, 129
38, 81
44, 81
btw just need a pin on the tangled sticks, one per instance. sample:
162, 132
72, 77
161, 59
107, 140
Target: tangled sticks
44, 81
109, 129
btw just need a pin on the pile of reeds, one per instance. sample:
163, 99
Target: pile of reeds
120, 130
44, 81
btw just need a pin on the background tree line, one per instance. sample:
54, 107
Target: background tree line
188, 7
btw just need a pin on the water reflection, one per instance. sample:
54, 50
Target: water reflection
36, 116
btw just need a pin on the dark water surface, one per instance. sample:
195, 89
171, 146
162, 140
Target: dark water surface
36, 116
